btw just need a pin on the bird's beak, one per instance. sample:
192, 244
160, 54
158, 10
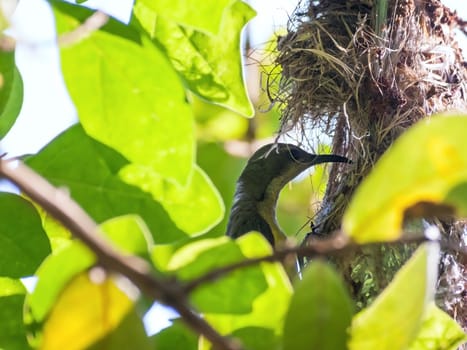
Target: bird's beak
327, 158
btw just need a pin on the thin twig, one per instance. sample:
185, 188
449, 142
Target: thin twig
59, 204
7, 43
334, 245
280, 254
93, 23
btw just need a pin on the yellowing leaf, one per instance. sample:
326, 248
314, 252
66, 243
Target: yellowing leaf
53, 275
422, 166
84, 313
438, 332
393, 320
127, 233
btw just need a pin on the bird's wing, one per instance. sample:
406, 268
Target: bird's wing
240, 224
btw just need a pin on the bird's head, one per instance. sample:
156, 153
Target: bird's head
272, 166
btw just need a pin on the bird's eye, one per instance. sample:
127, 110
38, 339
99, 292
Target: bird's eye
297, 154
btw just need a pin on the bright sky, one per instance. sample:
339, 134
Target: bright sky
47, 108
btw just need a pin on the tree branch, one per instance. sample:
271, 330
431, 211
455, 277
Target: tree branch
59, 204
337, 244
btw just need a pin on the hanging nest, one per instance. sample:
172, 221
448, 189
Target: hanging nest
361, 77
362, 87
362, 80
335, 66
322, 69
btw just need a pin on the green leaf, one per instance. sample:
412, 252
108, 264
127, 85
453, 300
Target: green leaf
457, 197
58, 235
12, 330
220, 296
10, 286
320, 311
127, 94
393, 320
24, 243
129, 234
437, 149
258, 338
438, 332
129, 334
268, 309
176, 337
11, 91
195, 207
56, 271
217, 124
89, 170
211, 65
203, 15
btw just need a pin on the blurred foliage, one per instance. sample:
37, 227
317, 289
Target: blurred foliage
11, 88
318, 327
152, 161
217, 124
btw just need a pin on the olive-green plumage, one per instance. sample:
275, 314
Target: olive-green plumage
266, 173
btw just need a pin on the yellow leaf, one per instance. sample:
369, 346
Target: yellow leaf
422, 173
85, 312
